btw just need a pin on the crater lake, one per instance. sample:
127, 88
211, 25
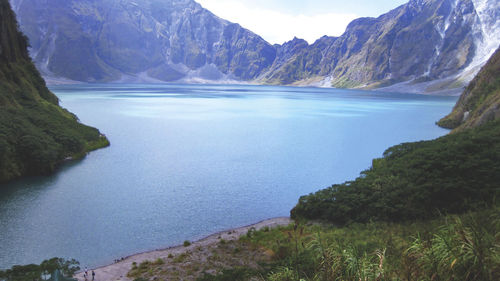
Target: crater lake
186, 161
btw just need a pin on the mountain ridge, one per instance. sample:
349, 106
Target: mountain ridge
163, 40
422, 46
421, 41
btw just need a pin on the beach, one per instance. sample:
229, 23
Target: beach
119, 270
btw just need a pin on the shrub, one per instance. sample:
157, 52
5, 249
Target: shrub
159, 261
453, 174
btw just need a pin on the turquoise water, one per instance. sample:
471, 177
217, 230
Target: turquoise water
189, 160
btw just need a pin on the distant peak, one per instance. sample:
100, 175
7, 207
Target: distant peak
296, 41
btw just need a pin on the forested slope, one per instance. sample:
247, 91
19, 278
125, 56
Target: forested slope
480, 102
35, 132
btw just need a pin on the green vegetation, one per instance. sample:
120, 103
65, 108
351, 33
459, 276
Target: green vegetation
159, 261
237, 273
35, 139
345, 82
144, 267
452, 174
36, 272
464, 247
228, 260
180, 258
36, 134
480, 102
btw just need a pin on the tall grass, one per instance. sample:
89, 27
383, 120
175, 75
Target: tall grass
465, 247
459, 251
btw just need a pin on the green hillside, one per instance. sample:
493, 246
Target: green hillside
452, 174
480, 102
35, 132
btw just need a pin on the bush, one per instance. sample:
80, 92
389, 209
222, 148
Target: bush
452, 174
159, 261
34, 272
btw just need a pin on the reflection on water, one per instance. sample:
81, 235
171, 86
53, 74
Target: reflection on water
188, 160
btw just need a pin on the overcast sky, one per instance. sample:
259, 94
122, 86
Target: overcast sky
278, 21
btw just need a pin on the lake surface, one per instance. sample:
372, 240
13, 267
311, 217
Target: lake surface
186, 161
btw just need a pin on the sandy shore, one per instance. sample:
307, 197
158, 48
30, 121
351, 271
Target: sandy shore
118, 271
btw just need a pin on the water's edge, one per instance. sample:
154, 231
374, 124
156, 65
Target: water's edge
117, 270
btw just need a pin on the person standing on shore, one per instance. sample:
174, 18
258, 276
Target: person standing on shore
85, 274
93, 275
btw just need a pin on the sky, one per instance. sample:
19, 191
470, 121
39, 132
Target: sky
278, 21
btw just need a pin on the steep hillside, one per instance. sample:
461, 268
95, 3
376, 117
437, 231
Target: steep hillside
422, 46
35, 133
140, 40
480, 101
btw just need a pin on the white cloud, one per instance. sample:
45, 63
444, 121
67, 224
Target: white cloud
279, 27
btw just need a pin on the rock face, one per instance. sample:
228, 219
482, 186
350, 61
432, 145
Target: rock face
296, 60
35, 133
480, 102
109, 40
422, 46
435, 43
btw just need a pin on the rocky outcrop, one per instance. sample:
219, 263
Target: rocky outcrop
297, 61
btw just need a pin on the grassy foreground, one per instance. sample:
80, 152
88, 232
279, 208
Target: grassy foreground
454, 247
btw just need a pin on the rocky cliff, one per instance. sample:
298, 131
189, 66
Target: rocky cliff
480, 102
422, 46
139, 40
35, 133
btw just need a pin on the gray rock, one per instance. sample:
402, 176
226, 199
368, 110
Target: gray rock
422, 46
87, 40
441, 43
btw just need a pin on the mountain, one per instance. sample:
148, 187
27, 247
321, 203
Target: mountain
426, 45
421, 46
35, 132
139, 40
296, 60
480, 101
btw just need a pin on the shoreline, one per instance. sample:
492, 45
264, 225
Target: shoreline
118, 271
